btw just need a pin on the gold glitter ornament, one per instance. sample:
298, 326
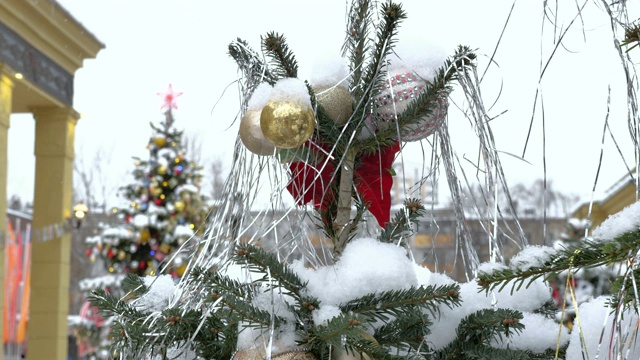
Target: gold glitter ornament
156, 192
287, 125
160, 141
336, 102
145, 235
165, 248
179, 206
259, 354
181, 269
251, 134
162, 170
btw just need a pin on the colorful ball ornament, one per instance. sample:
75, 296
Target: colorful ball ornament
165, 248
122, 255
251, 134
179, 206
181, 269
395, 97
160, 141
156, 192
287, 125
145, 235
336, 102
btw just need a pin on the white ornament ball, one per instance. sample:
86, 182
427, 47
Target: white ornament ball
397, 93
251, 134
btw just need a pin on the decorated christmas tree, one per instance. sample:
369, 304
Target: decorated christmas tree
166, 208
325, 147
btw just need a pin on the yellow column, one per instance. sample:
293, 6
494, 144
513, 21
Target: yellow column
6, 88
54, 150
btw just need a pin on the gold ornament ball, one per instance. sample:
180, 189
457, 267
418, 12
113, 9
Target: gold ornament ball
145, 235
165, 248
122, 255
336, 102
251, 134
160, 141
287, 125
179, 205
156, 192
181, 269
162, 170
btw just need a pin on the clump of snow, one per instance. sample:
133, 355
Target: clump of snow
329, 72
141, 220
595, 324
539, 334
532, 256
291, 90
183, 230
100, 282
239, 273
619, 223
166, 153
159, 296
153, 209
257, 339
93, 240
186, 187
118, 232
366, 266
284, 336
527, 299
77, 320
489, 267
424, 59
325, 313
274, 302
161, 161
260, 96
578, 224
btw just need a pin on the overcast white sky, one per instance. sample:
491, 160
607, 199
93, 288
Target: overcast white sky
150, 43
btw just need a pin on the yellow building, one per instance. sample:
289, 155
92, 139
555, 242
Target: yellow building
617, 197
41, 47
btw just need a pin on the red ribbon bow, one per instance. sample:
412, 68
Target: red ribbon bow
372, 178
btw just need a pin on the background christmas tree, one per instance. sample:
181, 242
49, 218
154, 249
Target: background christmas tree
369, 300
165, 209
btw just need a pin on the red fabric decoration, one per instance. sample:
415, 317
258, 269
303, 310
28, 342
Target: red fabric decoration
309, 182
372, 178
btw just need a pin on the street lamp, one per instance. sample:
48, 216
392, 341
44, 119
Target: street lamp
80, 210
